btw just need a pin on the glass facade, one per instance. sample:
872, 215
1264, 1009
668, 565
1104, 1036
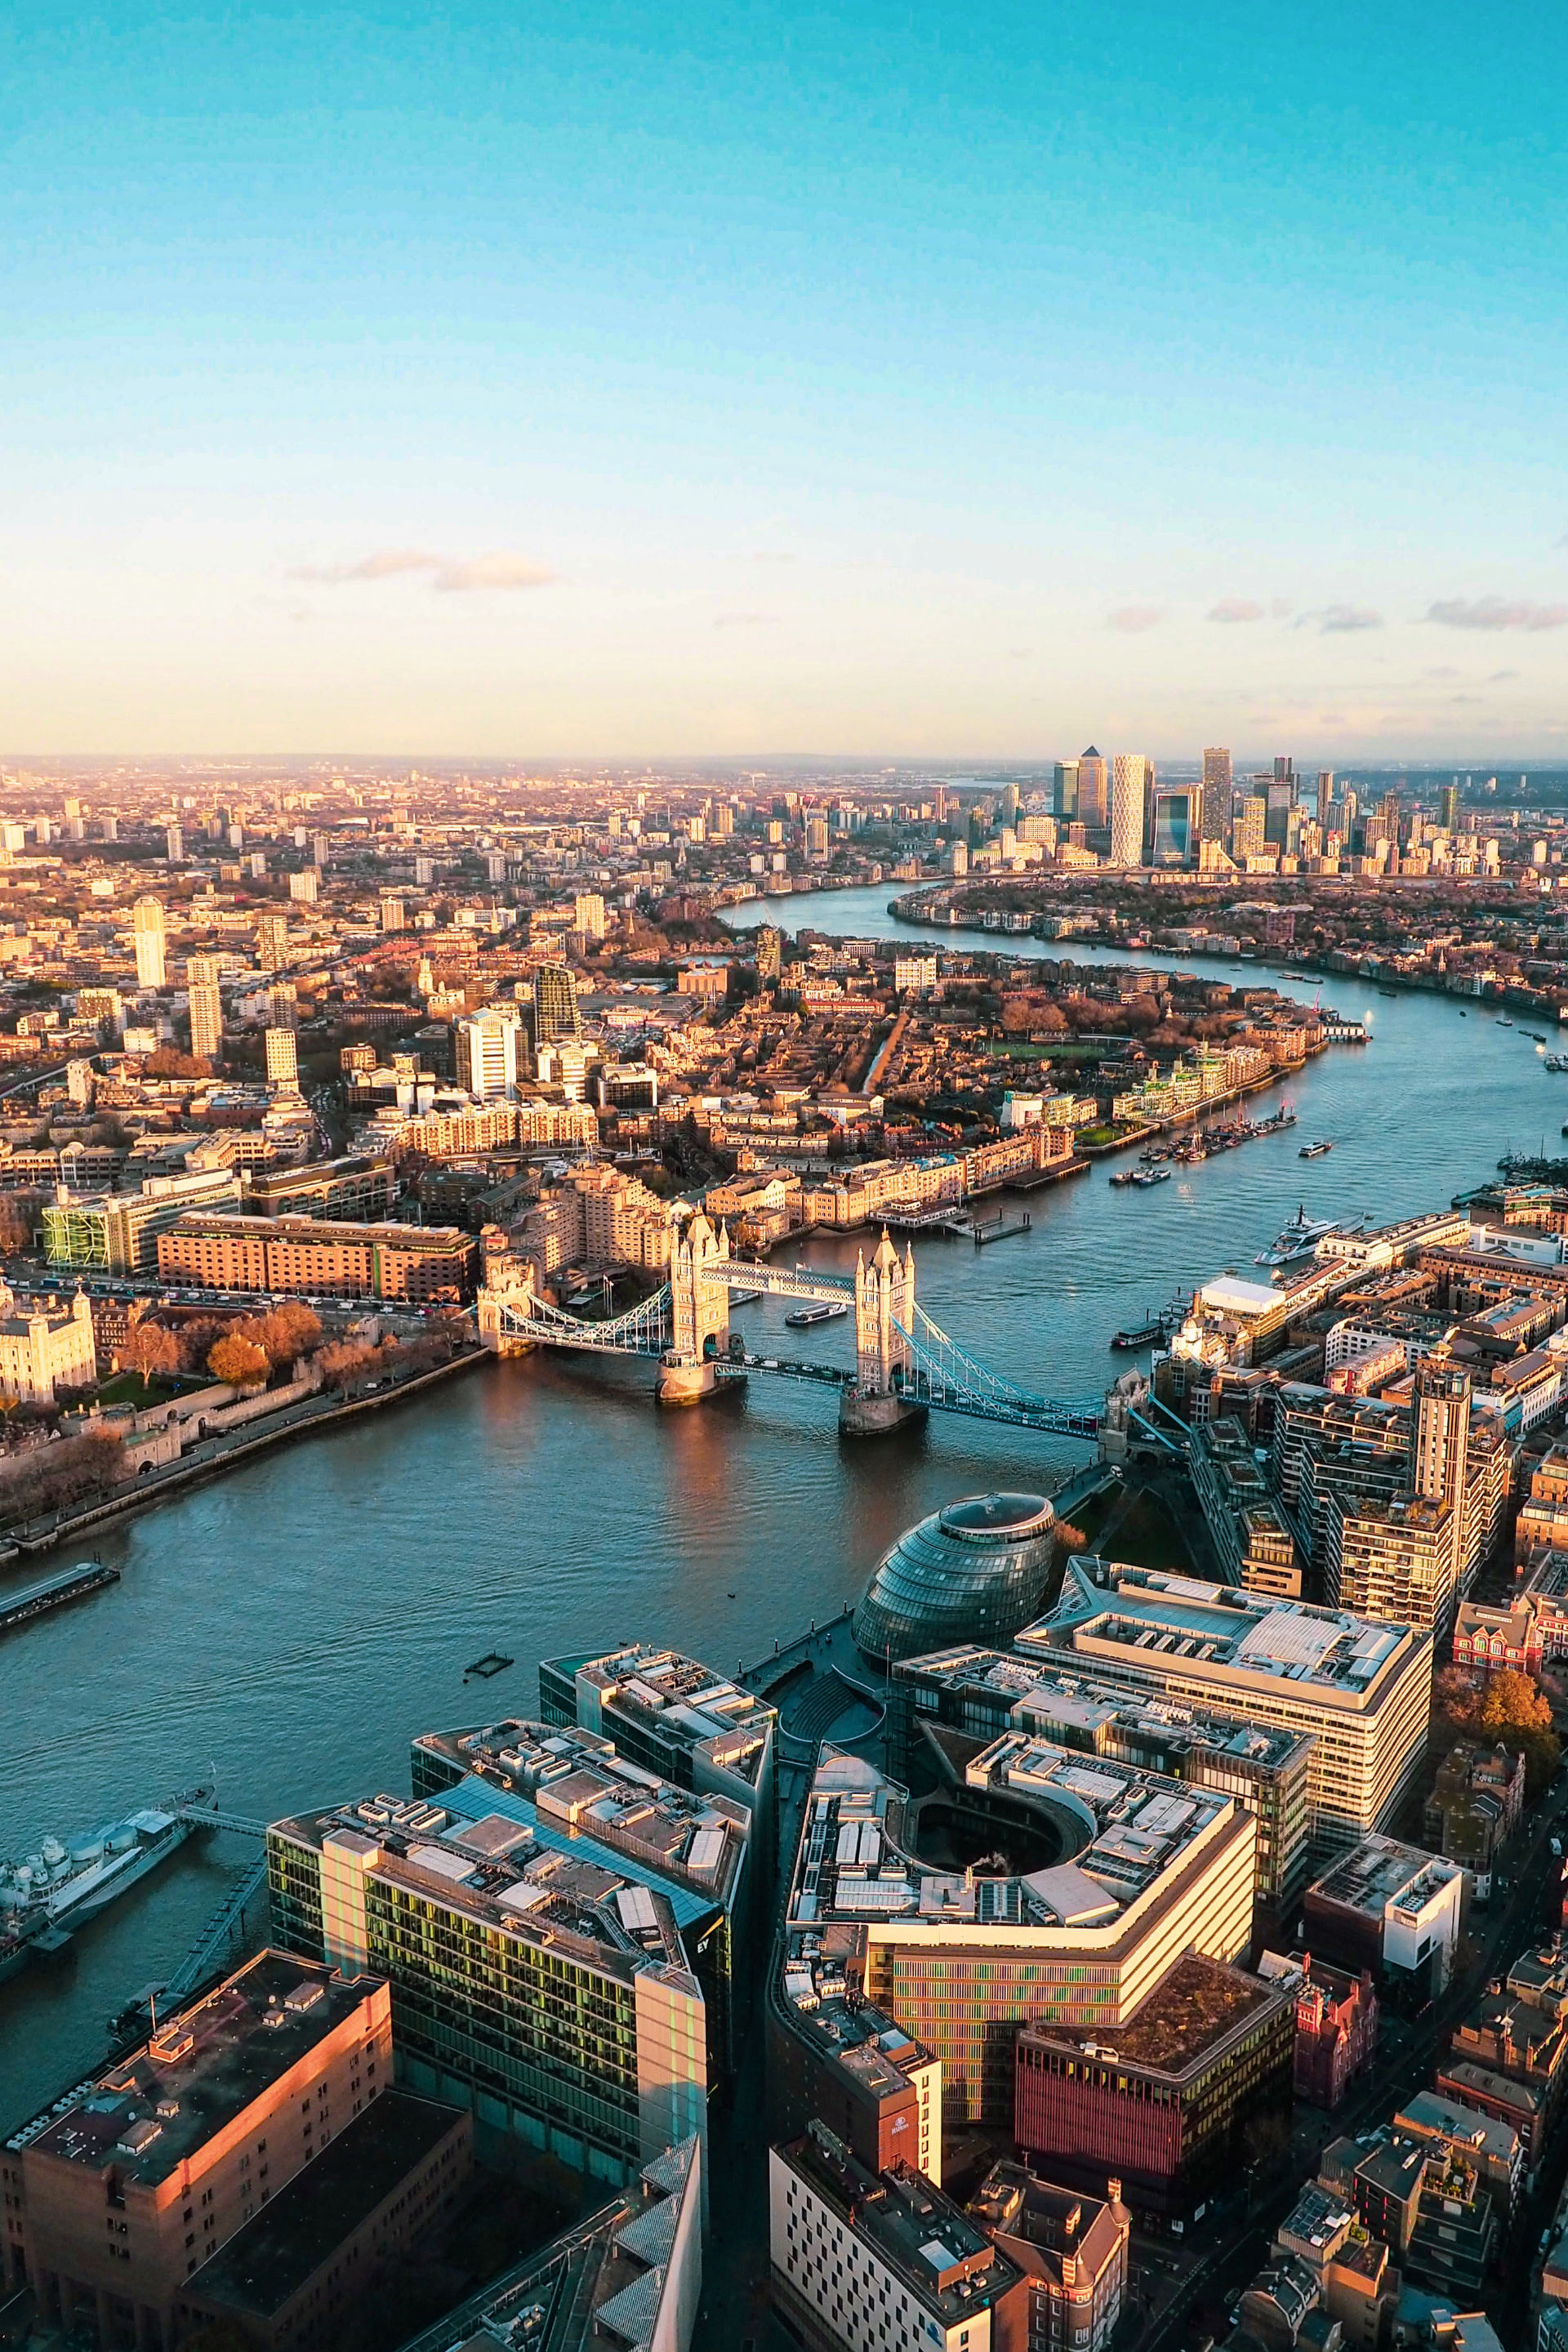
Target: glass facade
974, 1570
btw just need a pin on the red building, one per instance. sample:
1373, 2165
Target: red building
1336, 2023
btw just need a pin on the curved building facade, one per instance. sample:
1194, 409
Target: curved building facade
973, 1571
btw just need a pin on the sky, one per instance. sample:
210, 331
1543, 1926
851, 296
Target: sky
945, 381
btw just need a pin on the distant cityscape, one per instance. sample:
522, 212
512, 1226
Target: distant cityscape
1138, 1922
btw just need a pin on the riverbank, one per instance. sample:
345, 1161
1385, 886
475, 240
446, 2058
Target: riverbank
213, 1457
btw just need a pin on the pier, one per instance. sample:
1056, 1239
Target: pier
90, 1576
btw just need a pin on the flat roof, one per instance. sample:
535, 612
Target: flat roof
203, 2068
574, 1780
1193, 2011
267, 2263
679, 1700
923, 2237
1380, 1871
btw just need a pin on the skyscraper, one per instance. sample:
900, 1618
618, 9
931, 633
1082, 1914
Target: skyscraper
588, 914
555, 1012
1448, 808
282, 1061
1093, 790
1441, 1431
147, 923
1065, 793
173, 844
1250, 826
205, 1005
770, 956
1214, 815
1132, 782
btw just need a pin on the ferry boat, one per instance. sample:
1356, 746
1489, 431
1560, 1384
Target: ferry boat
744, 1298
52, 1891
1294, 1240
824, 1311
1503, 1023
1319, 1150
1555, 1062
1145, 1176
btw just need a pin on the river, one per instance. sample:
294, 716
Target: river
295, 1623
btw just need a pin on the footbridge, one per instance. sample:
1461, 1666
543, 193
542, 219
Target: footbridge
906, 1365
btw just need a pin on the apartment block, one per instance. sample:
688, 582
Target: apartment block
424, 1264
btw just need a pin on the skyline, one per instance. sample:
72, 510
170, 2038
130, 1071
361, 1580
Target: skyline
764, 388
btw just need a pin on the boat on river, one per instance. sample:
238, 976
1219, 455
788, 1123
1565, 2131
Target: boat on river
46, 1894
1319, 1150
827, 1310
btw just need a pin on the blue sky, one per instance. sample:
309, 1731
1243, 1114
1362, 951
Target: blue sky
639, 381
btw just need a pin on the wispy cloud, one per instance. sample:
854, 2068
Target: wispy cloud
452, 576
1341, 619
1494, 613
1501, 676
1134, 619
745, 620
1232, 610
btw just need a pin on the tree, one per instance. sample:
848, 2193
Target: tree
15, 1225
285, 1333
239, 1361
1513, 1702
150, 1348
345, 1362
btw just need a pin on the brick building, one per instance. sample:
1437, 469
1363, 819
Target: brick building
426, 1265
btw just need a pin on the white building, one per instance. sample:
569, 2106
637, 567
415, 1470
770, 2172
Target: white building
914, 975
147, 924
485, 1051
588, 914
1131, 778
282, 1060
879, 2262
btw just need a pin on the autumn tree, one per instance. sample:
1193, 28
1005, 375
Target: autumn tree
15, 1225
150, 1348
239, 1361
284, 1333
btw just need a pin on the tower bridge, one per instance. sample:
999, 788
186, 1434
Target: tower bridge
906, 1365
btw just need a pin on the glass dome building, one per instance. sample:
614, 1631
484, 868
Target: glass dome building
973, 1571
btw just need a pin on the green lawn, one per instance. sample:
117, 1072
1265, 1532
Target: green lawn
130, 1388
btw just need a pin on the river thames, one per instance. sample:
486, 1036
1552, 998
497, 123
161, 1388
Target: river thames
293, 1624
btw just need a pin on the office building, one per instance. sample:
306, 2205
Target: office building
1448, 808
672, 1716
1390, 1909
356, 1189
292, 2278
1151, 1868
312, 1256
1362, 1692
1475, 1805
1093, 808
1426, 2203
984, 1693
282, 1061
538, 1978
1213, 804
116, 2198
1071, 2249
974, 1570
700, 1844
555, 1012
628, 2277
881, 2263
484, 1050
1249, 831
1063, 790
118, 1233
1493, 2147
1131, 788
205, 1005
147, 931
1162, 2103
1173, 824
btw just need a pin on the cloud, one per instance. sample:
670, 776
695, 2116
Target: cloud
1341, 619
492, 571
772, 555
1501, 676
745, 620
1234, 609
499, 570
1134, 619
1492, 613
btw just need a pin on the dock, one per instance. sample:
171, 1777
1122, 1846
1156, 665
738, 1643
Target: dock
36, 1599
1000, 1228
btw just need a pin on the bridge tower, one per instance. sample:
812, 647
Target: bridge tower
884, 1299
699, 1311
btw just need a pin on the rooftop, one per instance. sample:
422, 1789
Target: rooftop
1161, 1623
575, 1779
1086, 1714
1380, 1872
679, 1700
269, 2260
1191, 2014
920, 2235
487, 1854
204, 2067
